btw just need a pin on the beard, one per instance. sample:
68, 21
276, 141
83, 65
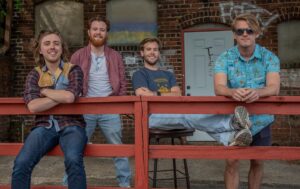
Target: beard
152, 63
98, 42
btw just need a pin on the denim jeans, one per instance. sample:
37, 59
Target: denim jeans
217, 126
110, 125
72, 140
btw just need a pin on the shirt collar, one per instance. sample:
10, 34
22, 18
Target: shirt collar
256, 53
61, 65
96, 58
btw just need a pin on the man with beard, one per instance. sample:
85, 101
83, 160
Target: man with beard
152, 81
104, 75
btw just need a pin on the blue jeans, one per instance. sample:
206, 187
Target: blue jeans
110, 125
217, 126
72, 140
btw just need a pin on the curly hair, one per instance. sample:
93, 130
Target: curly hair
36, 46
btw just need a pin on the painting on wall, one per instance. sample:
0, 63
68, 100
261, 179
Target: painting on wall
131, 25
131, 33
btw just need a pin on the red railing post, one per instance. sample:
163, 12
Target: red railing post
140, 179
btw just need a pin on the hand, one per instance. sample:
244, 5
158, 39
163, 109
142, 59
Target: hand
239, 94
43, 92
147, 92
251, 96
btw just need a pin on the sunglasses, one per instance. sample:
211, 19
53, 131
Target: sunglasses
240, 31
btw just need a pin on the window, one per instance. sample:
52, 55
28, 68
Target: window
64, 16
289, 42
5, 25
131, 21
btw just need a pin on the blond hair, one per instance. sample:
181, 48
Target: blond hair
251, 21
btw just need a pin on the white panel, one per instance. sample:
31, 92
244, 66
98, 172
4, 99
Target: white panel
199, 43
219, 43
199, 73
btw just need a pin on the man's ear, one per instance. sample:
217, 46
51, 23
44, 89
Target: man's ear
234, 36
142, 53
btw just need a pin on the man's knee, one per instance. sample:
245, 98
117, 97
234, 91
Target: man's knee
257, 163
232, 165
73, 157
73, 160
23, 164
113, 136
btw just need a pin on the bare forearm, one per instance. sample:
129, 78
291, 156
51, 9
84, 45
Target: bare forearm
221, 90
268, 91
41, 104
171, 94
272, 85
60, 96
144, 92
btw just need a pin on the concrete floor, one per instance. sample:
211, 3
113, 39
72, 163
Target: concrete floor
204, 173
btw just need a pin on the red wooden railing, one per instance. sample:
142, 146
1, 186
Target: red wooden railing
284, 105
141, 107
121, 105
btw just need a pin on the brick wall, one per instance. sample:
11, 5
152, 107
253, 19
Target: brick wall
5, 90
173, 17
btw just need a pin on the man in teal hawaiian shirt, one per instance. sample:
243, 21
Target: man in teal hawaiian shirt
246, 73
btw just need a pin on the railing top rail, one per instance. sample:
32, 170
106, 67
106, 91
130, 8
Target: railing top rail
274, 99
282, 105
17, 100
95, 105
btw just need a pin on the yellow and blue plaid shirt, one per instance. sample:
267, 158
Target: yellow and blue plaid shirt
67, 77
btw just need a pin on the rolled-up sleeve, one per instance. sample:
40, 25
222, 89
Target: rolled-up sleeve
32, 89
75, 81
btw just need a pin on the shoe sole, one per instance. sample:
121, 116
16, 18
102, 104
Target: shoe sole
242, 138
242, 116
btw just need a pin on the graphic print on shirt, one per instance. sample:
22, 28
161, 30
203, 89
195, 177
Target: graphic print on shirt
162, 85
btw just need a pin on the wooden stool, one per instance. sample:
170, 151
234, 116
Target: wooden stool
179, 134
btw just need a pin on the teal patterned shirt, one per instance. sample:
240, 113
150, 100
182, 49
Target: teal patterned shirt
249, 74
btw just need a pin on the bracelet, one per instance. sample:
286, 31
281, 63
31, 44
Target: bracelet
158, 93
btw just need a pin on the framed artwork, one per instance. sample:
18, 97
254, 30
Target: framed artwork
131, 21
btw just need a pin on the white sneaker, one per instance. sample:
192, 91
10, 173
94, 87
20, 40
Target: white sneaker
241, 119
241, 138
